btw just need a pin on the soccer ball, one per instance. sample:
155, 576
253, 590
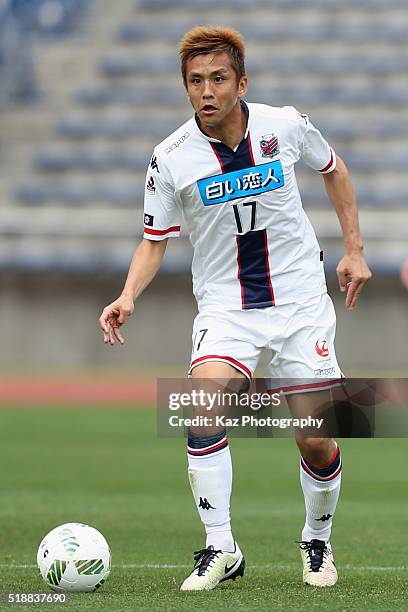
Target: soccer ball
74, 557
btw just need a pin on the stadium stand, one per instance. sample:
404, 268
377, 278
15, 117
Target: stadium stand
110, 88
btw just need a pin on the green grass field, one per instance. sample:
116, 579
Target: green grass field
108, 468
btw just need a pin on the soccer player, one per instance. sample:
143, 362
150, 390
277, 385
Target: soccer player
258, 279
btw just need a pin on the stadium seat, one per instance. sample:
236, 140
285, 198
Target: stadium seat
141, 63
333, 62
158, 5
56, 18
284, 61
92, 159
329, 63
313, 92
300, 93
131, 95
311, 27
72, 193
119, 127
368, 158
350, 125
380, 193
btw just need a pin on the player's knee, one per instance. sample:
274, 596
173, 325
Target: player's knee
203, 437
315, 450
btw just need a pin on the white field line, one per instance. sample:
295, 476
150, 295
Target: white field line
361, 568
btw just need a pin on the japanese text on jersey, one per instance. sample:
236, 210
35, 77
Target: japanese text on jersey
241, 183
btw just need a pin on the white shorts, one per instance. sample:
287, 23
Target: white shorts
300, 336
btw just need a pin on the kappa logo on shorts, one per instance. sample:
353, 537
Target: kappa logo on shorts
321, 347
148, 219
324, 371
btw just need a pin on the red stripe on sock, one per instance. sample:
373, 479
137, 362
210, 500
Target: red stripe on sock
316, 476
326, 465
208, 449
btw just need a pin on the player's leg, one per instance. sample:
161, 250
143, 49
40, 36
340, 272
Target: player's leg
209, 464
307, 361
210, 475
223, 355
320, 478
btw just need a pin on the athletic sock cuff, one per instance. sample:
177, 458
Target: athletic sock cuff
199, 446
326, 472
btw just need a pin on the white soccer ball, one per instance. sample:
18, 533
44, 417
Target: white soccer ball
74, 557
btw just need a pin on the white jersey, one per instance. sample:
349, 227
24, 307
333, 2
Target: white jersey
254, 246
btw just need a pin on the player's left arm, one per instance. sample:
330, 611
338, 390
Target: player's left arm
352, 270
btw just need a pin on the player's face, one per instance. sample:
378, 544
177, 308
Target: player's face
213, 89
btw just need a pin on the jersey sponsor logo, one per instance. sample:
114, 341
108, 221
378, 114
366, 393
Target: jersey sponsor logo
148, 219
153, 164
178, 142
321, 347
150, 186
241, 183
269, 145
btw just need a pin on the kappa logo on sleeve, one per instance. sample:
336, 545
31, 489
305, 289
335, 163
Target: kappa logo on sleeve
153, 164
241, 183
148, 220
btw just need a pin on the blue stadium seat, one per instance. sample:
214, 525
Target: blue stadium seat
72, 193
344, 93
348, 61
354, 128
157, 127
92, 159
59, 17
132, 64
132, 95
368, 160
300, 93
283, 61
271, 29
371, 193
205, 5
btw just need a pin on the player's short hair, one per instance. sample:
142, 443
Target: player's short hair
212, 39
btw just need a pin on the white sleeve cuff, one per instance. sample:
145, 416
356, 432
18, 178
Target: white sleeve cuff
331, 165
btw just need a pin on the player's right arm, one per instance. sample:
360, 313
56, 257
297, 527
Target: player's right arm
162, 218
144, 266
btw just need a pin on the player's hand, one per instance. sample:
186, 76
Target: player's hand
353, 273
113, 316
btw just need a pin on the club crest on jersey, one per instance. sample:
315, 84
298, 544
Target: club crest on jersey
269, 145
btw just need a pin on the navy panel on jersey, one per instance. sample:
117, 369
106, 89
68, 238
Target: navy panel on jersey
253, 270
